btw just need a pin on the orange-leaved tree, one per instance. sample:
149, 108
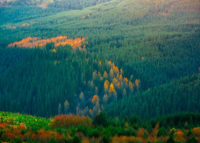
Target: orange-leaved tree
71, 120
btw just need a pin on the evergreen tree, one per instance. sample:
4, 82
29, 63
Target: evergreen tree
100, 119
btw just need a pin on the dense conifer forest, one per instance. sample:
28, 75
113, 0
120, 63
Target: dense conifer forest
100, 71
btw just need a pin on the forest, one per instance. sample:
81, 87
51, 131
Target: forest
17, 128
100, 71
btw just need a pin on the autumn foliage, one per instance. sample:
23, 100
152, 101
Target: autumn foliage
95, 99
60, 40
71, 120
65, 127
113, 86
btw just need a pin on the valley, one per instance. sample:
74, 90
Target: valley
123, 59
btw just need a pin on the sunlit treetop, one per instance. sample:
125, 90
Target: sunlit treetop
36, 42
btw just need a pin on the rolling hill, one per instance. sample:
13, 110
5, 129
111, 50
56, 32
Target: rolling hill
101, 70
154, 42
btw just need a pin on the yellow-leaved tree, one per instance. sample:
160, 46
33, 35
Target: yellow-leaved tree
106, 84
114, 81
120, 78
105, 75
111, 74
112, 90
95, 99
137, 84
131, 87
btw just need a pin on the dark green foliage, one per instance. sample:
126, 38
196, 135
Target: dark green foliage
121, 131
171, 134
31, 83
59, 130
47, 79
11, 57
94, 132
131, 132
18, 140
192, 140
125, 132
1, 132
161, 132
82, 129
100, 119
52, 140
134, 121
50, 46
153, 103
23, 131
148, 126
170, 140
145, 135
72, 130
171, 137
111, 130
178, 120
106, 139
106, 136
76, 140
189, 133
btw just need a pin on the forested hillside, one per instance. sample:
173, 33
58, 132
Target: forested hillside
68, 82
178, 96
19, 128
75, 4
84, 57
58, 4
100, 71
